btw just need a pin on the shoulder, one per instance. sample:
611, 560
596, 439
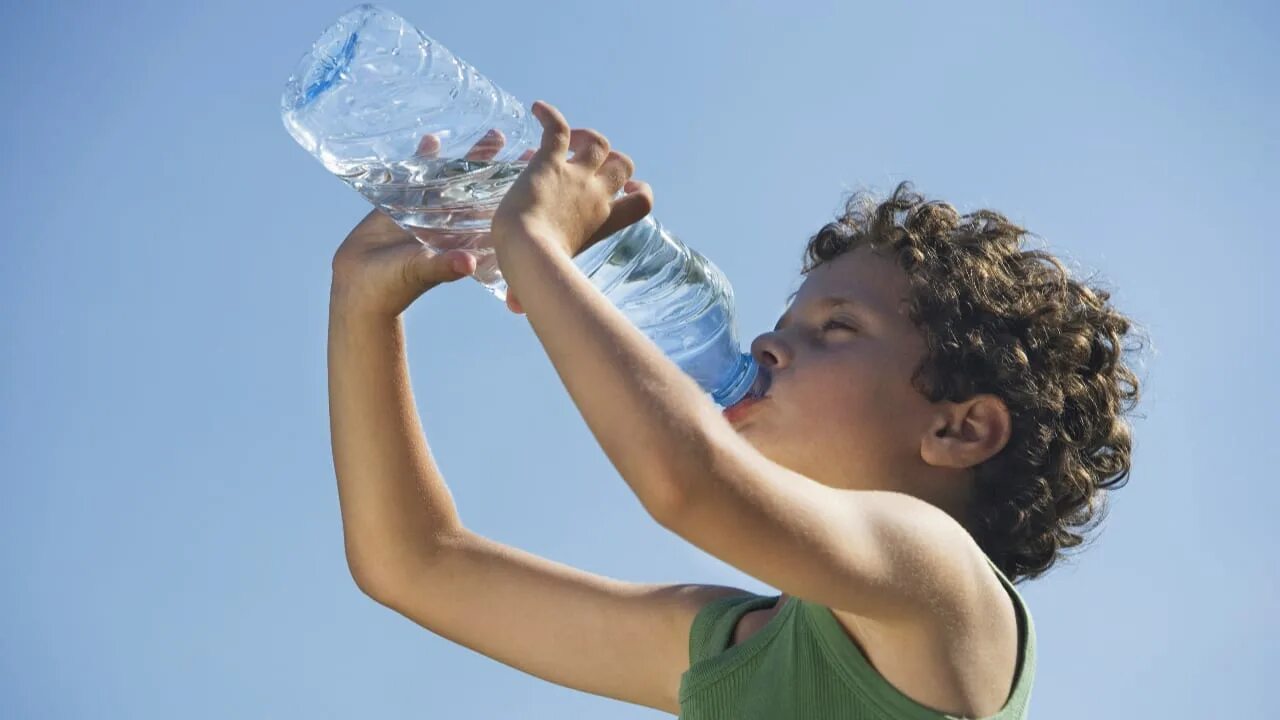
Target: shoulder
959, 651
875, 553
935, 566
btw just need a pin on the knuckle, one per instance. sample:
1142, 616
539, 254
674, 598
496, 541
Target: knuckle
408, 275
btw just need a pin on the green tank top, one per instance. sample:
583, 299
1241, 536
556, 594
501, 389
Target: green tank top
803, 665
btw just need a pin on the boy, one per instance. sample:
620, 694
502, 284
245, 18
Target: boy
935, 413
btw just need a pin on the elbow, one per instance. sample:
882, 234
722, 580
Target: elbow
362, 564
366, 586
379, 575
375, 585
384, 573
695, 481
665, 503
664, 487
363, 580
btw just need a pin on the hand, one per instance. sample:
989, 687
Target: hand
569, 203
382, 268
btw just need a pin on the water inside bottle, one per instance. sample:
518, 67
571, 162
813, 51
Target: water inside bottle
665, 288
447, 204
373, 84
427, 185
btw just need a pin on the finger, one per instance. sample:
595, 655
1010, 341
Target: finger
616, 170
513, 304
626, 211
428, 147
488, 146
433, 269
589, 147
526, 155
378, 229
632, 186
555, 130
462, 263
426, 270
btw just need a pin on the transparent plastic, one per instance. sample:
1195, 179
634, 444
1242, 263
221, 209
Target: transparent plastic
369, 90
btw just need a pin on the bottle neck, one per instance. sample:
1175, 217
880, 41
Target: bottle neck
741, 379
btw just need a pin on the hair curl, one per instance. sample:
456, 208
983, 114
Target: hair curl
1013, 323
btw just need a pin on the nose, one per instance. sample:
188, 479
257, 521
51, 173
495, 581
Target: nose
770, 351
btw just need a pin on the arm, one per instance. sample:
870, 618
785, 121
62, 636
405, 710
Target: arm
407, 548
395, 505
652, 420
875, 554
622, 640
405, 545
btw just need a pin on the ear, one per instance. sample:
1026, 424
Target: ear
967, 433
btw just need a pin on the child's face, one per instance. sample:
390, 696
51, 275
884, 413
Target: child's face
840, 407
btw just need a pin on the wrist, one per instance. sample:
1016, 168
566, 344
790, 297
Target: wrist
348, 302
528, 234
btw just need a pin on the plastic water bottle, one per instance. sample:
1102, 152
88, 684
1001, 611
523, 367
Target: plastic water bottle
372, 86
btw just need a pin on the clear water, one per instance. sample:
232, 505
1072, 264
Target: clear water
372, 86
670, 292
446, 204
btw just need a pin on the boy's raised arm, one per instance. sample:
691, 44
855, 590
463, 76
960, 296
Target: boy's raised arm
406, 546
395, 505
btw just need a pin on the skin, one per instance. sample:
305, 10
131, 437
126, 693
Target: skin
840, 407
822, 377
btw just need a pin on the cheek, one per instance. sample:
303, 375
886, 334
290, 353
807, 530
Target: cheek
832, 412
864, 412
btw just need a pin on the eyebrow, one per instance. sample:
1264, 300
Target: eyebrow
830, 301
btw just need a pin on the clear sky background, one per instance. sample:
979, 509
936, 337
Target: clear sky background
170, 537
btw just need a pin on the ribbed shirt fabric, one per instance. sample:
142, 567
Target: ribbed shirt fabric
803, 665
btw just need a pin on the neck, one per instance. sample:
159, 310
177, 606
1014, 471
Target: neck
945, 488
953, 495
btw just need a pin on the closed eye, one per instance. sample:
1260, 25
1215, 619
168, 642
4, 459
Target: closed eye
836, 323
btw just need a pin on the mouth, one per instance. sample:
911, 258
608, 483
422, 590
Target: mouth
757, 394
743, 408
760, 388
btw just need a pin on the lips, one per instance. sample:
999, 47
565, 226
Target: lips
742, 408
761, 385
756, 395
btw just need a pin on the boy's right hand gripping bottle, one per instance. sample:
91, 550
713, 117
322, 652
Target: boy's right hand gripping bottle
372, 87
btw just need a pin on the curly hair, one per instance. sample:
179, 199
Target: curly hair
1012, 322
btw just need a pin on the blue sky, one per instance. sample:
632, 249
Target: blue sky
170, 539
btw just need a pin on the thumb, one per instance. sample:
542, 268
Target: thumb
513, 303
431, 270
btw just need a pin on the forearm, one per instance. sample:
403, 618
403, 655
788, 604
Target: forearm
656, 425
395, 505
